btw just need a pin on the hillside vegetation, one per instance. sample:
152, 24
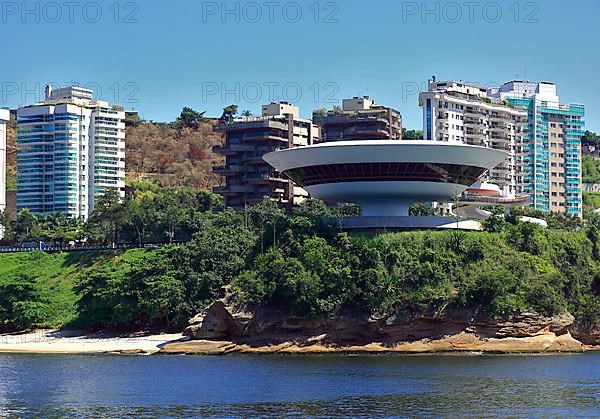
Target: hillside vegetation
590, 169
11, 156
172, 156
304, 266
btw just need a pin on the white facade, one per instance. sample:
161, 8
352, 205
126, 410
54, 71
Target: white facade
385, 177
542, 91
357, 104
71, 150
4, 118
280, 109
456, 111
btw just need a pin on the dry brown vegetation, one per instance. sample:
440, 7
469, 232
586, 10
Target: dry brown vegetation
171, 156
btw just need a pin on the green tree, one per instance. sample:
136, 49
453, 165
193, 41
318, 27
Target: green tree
22, 305
229, 114
189, 118
133, 120
27, 226
421, 209
6, 227
411, 134
107, 220
140, 216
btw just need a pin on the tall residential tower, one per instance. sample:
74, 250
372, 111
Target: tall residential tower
71, 150
551, 152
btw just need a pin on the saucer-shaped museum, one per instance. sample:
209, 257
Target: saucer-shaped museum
385, 177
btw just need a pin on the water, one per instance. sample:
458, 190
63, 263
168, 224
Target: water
300, 386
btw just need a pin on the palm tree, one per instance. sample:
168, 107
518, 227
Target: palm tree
247, 114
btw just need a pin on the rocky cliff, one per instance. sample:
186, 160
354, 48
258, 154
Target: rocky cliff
233, 326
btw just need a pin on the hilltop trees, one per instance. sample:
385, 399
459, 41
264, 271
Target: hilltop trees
150, 214
178, 154
229, 114
189, 118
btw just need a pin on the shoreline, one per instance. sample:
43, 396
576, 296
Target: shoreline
73, 342
546, 343
69, 342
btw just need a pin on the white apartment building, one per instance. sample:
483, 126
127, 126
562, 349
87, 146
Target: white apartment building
4, 118
71, 149
462, 112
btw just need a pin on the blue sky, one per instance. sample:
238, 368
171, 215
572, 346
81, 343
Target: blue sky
158, 56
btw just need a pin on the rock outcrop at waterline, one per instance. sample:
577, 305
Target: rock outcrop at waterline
229, 325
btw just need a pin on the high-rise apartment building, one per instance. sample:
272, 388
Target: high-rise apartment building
551, 151
71, 150
4, 118
457, 111
359, 118
248, 178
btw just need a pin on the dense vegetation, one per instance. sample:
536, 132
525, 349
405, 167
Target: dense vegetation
590, 139
304, 265
591, 203
148, 214
590, 169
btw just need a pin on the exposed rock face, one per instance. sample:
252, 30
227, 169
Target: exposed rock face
229, 319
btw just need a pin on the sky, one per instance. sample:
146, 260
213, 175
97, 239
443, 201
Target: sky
158, 56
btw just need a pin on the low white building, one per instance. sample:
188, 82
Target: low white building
71, 151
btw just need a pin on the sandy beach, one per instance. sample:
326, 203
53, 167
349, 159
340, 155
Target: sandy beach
55, 341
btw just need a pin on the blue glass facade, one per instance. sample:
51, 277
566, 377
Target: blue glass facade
551, 161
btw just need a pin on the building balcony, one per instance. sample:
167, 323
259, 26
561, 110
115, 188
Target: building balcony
255, 158
266, 137
227, 170
233, 189
469, 122
232, 148
252, 123
473, 112
258, 178
499, 128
